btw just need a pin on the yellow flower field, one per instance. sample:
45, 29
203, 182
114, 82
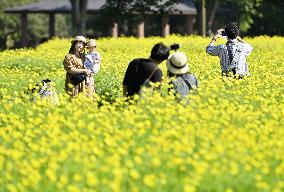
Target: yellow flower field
229, 138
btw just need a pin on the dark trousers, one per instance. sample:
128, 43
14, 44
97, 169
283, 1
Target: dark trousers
228, 74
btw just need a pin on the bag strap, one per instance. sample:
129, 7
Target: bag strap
186, 82
231, 57
152, 73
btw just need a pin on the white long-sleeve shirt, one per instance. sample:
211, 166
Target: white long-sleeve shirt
222, 52
93, 61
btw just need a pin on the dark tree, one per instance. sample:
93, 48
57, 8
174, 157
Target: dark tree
137, 9
270, 19
219, 12
78, 12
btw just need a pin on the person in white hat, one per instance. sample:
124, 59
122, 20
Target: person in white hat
182, 80
92, 59
75, 71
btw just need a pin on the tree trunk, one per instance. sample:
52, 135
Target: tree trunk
51, 26
198, 6
78, 12
203, 10
74, 15
212, 16
124, 27
114, 30
189, 19
83, 11
165, 26
3, 42
24, 30
140, 29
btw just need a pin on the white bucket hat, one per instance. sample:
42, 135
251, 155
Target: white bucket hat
80, 38
91, 43
177, 63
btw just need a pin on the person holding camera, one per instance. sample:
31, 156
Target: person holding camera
140, 72
233, 54
75, 72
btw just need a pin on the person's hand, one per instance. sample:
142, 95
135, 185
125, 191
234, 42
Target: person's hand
218, 34
87, 72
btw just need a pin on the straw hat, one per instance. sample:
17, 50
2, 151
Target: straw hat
177, 63
80, 39
91, 43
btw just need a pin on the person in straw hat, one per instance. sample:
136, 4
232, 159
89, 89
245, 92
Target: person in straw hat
182, 80
75, 71
92, 59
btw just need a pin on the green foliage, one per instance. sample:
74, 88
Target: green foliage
140, 8
37, 24
10, 23
269, 19
242, 11
245, 10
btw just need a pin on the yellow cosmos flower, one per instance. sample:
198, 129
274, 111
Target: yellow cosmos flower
107, 143
149, 180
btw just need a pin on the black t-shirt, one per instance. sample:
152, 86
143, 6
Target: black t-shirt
138, 71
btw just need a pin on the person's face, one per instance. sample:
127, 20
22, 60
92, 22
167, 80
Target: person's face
79, 46
91, 49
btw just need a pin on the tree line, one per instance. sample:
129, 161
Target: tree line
256, 17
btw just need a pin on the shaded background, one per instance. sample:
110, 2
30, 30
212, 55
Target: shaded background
256, 17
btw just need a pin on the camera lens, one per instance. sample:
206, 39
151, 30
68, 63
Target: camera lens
174, 46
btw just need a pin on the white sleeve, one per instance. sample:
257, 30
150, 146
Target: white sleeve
97, 63
248, 48
99, 58
96, 68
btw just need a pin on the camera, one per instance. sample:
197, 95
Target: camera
174, 46
223, 33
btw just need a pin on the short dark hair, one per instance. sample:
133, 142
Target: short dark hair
232, 30
160, 52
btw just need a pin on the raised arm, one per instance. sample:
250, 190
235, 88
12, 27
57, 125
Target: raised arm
211, 49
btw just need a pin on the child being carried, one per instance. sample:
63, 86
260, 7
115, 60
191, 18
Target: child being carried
92, 59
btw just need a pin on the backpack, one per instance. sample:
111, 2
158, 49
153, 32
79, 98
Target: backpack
182, 85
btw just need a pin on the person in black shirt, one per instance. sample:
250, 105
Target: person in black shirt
142, 71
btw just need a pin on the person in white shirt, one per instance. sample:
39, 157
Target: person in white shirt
233, 54
92, 59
